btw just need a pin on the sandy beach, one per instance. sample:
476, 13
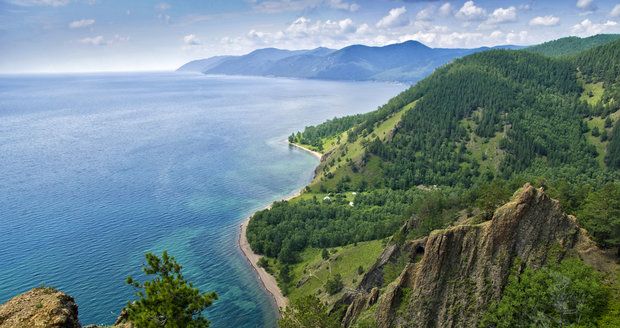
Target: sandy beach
269, 282
315, 153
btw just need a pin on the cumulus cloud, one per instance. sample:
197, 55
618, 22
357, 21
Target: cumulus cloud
99, 40
95, 41
549, 20
587, 27
303, 33
28, 3
587, 5
426, 13
471, 12
191, 40
342, 5
446, 9
616, 11
395, 18
516, 37
276, 6
81, 23
503, 15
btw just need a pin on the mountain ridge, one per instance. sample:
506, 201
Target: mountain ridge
408, 61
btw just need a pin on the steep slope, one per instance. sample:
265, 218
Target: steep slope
571, 45
453, 275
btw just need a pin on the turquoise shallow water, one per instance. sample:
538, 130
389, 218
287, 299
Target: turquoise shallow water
97, 169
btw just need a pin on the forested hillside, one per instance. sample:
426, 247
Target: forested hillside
571, 45
448, 151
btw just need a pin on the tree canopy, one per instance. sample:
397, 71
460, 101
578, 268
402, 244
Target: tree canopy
168, 300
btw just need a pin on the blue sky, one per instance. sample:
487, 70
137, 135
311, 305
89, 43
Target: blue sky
110, 35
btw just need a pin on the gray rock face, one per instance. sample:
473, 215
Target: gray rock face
464, 268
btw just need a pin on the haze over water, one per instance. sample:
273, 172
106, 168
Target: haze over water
97, 169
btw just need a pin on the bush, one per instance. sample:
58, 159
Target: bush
307, 312
263, 263
334, 285
570, 293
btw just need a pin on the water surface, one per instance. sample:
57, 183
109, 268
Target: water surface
97, 169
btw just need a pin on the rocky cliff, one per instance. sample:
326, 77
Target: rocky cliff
452, 276
46, 307
40, 308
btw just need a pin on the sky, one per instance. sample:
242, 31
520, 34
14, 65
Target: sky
137, 35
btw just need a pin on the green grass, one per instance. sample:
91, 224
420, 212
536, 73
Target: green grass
601, 147
484, 150
592, 93
367, 318
343, 260
342, 153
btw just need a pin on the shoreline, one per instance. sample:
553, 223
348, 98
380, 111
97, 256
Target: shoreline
267, 280
314, 153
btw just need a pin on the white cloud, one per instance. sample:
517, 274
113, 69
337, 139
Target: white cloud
516, 37
395, 18
342, 5
81, 23
276, 6
95, 41
191, 40
587, 27
587, 5
424, 37
426, 13
304, 32
28, 3
616, 11
303, 27
99, 40
470, 12
446, 9
503, 15
549, 20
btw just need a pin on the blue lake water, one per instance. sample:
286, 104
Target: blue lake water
97, 169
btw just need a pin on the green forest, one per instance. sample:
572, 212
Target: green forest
458, 144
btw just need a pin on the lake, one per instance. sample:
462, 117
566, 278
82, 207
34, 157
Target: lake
97, 169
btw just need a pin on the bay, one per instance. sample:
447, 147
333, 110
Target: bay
97, 169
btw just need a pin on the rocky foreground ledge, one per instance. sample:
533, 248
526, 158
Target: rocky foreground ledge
45, 307
40, 308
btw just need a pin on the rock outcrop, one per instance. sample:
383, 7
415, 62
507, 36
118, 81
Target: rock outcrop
464, 268
46, 307
40, 308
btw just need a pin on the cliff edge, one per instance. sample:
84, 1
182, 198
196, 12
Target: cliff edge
40, 308
452, 276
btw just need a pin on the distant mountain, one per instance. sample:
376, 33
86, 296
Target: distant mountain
571, 45
201, 65
405, 62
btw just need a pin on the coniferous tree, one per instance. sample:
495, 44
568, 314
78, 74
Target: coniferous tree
168, 300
